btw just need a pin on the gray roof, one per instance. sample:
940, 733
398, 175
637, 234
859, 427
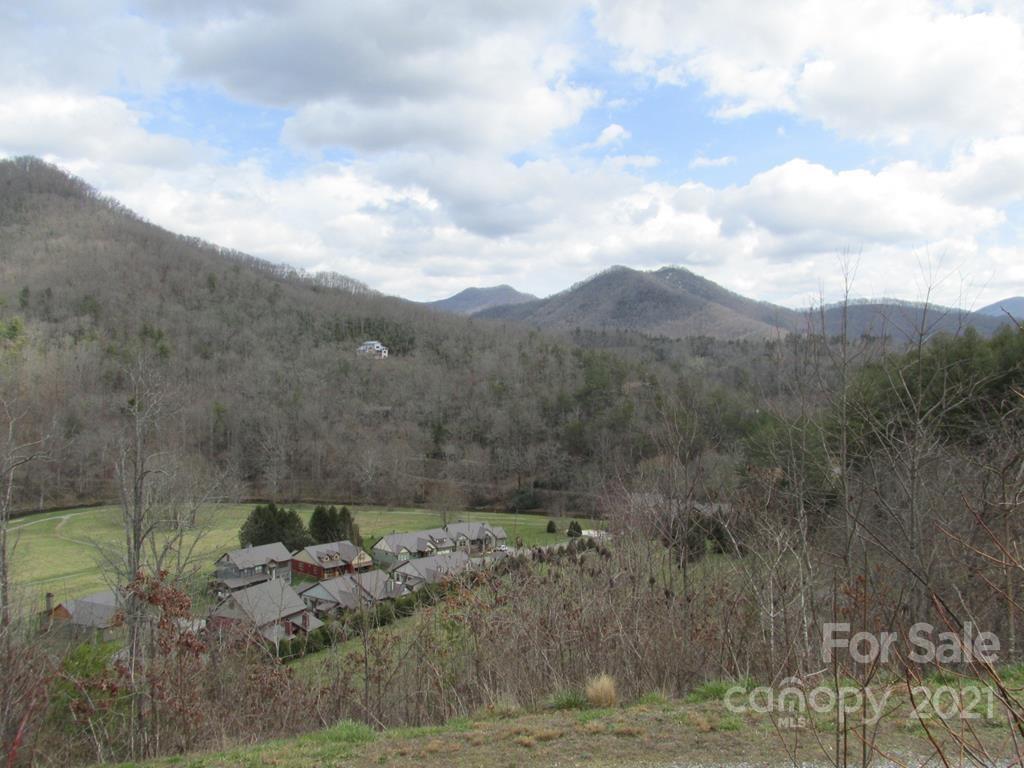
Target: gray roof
416, 541
250, 557
437, 567
97, 610
238, 582
349, 589
263, 603
475, 531
333, 553
340, 590
378, 585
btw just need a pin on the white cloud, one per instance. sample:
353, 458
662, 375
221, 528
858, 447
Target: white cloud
392, 74
700, 161
439, 107
888, 71
613, 135
439, 220
66, 125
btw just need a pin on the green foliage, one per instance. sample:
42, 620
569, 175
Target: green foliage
324, 525
551, 528
269, 523
959, 386
86, 661
523, 500
329, 524
13, 330
715, 690
575, 530
569, 699
349, 732
653, 699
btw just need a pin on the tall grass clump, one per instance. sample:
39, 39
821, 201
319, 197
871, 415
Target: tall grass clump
601, 691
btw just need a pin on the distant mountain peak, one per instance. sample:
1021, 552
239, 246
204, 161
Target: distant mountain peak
469, 301
675, 302
1013, 305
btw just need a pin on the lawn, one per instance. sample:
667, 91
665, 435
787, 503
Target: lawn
59, 551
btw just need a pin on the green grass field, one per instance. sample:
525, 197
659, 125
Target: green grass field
57, 551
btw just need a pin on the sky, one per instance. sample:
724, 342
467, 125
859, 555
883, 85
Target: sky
424, 147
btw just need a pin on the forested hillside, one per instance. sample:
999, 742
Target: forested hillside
267, 387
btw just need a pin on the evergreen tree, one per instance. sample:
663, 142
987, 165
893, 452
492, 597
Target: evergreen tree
347, 524
326, 525
269, 523
552, 528
575, 530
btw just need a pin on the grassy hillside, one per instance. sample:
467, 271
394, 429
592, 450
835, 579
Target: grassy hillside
651, 732
57, 551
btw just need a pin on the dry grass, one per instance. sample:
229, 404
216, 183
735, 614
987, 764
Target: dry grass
700, 721
525, 741
602, 692
627, 730
434, 746
547, 735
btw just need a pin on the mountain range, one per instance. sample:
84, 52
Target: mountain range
674, 302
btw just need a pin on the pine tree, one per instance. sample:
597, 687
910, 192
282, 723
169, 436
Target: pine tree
270, 523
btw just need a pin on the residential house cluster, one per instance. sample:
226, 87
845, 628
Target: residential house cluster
471, 538
254, 585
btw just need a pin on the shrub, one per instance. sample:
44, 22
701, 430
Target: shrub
552, 528
713, 690
653, 699
314, 642
601, 691
569, 699
348, 732
575, 529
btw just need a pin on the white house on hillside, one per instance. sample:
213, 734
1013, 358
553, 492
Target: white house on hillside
372, 349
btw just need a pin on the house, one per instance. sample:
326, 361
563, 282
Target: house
251, 565
414, 574
373, 349
399, 547
325, 561
471, 538
476, 538
272, 607
97, 615
351, 591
